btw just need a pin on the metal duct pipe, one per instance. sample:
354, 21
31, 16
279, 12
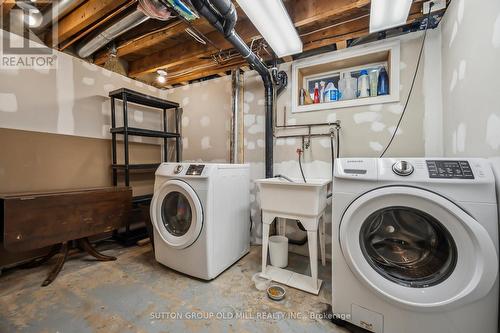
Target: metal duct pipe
222, 15
56, 11
93, 43
146, 9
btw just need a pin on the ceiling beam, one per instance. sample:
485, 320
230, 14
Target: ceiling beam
143, 42
188, 51
7, 5
341, 45
151, 39
311, 11
85, 15
93, 27
341, 33
214, 70
336, 34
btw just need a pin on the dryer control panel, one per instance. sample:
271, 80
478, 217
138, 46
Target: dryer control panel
195, 170
448, 169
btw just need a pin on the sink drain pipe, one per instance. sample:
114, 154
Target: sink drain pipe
221, 14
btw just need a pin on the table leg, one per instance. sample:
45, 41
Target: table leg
55, 249
85, 244
61, 258
312, 240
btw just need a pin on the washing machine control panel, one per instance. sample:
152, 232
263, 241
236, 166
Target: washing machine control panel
178, 169
450, 169
195, 170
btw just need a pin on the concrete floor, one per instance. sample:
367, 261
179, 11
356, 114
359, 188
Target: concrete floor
136, 294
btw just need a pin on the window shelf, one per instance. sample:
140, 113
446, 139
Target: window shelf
328, 67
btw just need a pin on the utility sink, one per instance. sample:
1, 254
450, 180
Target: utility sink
306, 202
293, 198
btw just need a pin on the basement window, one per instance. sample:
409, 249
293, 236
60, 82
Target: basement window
325, 72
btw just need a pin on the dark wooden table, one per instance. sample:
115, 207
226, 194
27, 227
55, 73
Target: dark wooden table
31, 221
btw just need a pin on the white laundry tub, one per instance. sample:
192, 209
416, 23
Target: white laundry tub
293, 198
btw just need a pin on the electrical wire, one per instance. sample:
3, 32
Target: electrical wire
412, 83
334, 155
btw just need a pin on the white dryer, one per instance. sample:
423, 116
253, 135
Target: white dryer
201, 217
415, 245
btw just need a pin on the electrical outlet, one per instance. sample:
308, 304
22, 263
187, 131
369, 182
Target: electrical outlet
438, 5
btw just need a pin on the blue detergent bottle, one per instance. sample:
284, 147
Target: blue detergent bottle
383, 83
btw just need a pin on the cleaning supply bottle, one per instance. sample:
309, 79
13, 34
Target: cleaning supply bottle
363, 84
347, 86
332, 94
383, 83
302, 97
322, 92
316, 93
373, 75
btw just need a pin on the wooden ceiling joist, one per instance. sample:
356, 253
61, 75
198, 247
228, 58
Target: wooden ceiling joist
6, 6
188, 51
311, 11
142, 42
199, 74
149, 40
85, 15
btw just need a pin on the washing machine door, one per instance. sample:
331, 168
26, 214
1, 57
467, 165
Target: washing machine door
177, 214
417, 249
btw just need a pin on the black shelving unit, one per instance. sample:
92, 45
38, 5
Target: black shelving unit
127, 96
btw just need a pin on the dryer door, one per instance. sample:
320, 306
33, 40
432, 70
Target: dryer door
177, 214
417, 249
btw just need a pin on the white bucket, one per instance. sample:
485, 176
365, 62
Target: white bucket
278, 251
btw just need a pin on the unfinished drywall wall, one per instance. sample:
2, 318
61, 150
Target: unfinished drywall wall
206, 119
471, 76
54, 126
71, 99
365, 129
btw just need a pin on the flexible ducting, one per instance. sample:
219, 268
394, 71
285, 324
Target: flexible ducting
222, 15
145, 10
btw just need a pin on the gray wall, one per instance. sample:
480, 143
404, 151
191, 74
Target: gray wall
471, 78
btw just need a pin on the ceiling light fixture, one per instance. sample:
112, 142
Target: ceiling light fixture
386, 14
271, 19
162, 76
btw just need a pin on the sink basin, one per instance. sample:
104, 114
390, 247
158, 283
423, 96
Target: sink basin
293, 199
280, 198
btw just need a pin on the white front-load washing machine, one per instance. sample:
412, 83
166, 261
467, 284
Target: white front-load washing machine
201, 217
415, 245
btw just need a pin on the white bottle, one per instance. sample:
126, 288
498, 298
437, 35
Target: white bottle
347, 86
363, 84
322, 91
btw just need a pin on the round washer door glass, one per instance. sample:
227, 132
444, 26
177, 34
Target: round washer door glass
408, 246
176, 213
